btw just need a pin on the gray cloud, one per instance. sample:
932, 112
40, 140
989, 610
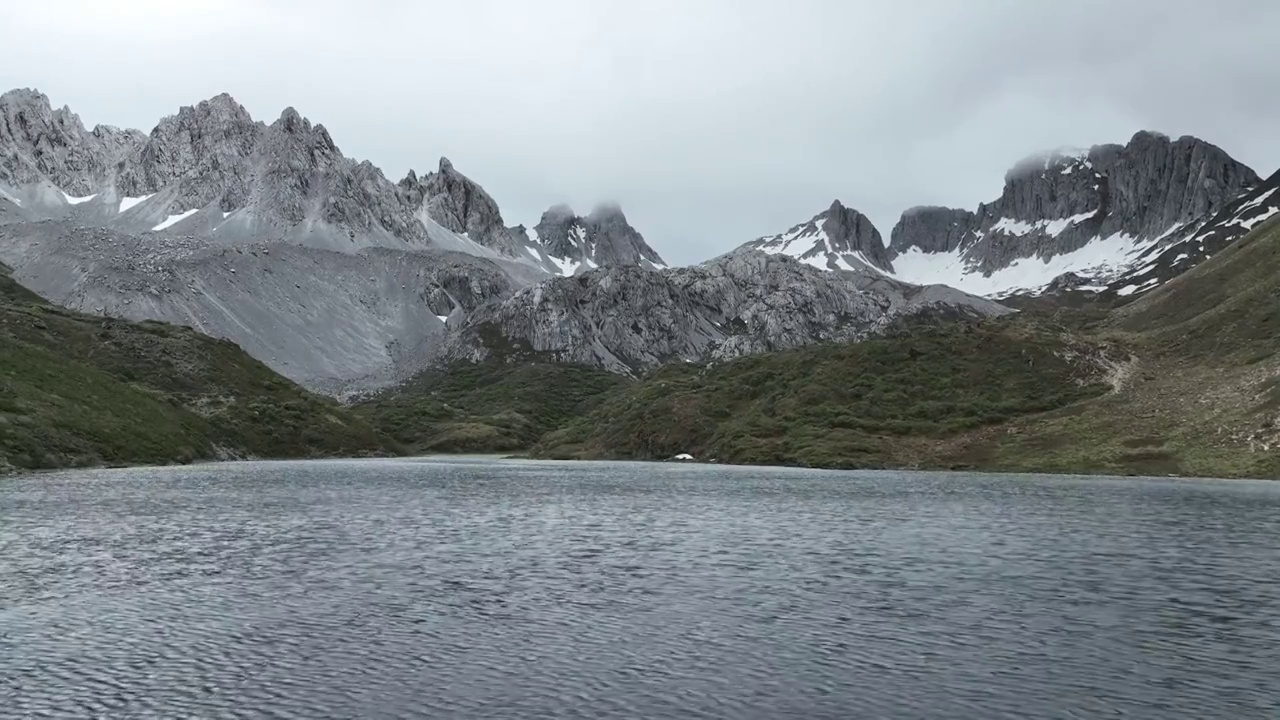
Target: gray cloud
711, 122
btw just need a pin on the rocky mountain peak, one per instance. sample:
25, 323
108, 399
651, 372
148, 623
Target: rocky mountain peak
205, 148
611, 240
838, 238
219, 111
292, 122
39, 142
559, 232
1150, 190
460, 205
849, 231
603, 238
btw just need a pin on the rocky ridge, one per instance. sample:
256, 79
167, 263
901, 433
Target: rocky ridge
265, 234
627, 319
50, 147
1162, 262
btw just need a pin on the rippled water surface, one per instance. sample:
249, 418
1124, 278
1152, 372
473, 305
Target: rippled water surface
513, 589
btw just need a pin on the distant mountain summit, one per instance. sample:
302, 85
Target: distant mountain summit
1103, 214
838, 238
604, 238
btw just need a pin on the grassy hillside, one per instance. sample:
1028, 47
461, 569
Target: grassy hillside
880, 403
77, 389
490, 407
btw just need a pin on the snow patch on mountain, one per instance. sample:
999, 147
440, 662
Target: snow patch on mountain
175, 219
129, 202
1102, 258
78, 200
1052, 228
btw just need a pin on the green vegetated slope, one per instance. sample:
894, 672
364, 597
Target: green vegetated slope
77, 390
1184, 380
884, 402
488, 407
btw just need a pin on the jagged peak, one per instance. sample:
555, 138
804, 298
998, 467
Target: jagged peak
840, 212
221, 101
221, 105
291, 121
445, 165
25, 95
326, 141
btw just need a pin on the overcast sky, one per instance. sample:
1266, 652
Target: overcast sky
711, 122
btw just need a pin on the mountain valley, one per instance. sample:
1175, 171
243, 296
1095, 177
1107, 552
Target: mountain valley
1015, 336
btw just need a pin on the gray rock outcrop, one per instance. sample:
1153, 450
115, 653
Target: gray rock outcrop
460, 205
627, 319
934, 230
205, 150
38, 143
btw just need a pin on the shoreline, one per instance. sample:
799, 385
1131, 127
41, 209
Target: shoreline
11, 472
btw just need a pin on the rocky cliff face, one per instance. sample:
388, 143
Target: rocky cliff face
460, 205
1162, 262
626, 319
204, 150
39, 143
1092, 212
603, 238
838, 238
933, 230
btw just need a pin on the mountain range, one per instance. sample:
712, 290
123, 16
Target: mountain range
1113, 218
1092, 288
338, 278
